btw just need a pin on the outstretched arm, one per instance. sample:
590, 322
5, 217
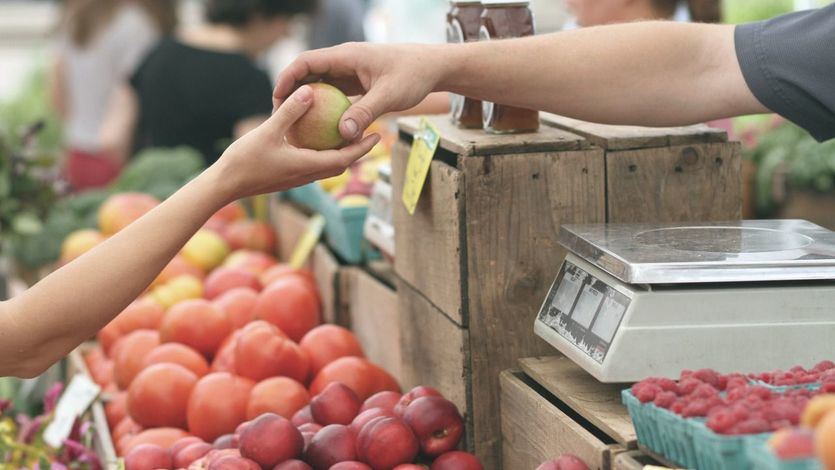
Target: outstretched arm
650, 73
46, 322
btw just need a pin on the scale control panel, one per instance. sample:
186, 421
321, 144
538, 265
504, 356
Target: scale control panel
584, 310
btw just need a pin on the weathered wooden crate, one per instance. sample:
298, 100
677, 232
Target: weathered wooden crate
553, 407
373, 317
290, 222
478, 255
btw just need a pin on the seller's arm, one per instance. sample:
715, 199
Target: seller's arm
650, 73
46, 322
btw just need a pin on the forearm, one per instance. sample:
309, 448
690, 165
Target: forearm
74, 302
655, 74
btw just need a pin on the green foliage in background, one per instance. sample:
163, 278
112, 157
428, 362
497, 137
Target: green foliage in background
159, 172
808, 165
745, 11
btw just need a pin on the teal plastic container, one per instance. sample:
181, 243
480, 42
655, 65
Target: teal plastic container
661, 431
344, 226
761, 458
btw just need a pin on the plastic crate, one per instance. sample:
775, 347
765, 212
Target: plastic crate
761, 458
661, 431
719, 452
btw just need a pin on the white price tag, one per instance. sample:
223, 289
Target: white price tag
76, 399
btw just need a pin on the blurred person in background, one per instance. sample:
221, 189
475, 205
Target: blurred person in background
335, 22
100, 44
202, 87
601, 12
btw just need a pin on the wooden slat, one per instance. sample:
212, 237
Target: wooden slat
435, 350
102, 441
597, 402
326, 270
634, 460
474, 142
375, 320
534, 430
515, 206
290, 223
674, 184
429, 242
611, 137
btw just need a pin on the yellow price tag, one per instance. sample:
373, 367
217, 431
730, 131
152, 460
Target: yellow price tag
423, 149
307, 241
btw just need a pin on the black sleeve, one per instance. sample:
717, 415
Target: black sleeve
789, 65
254, 96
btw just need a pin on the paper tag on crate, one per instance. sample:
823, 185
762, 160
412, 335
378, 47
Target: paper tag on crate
423, 149
78, 396
307, 241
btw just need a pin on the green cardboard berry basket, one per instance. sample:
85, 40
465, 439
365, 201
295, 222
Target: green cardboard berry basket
344, 226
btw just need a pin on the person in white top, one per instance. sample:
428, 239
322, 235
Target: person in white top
101, 43
600, 12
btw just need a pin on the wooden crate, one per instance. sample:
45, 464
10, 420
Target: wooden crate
481, 250
102, 442
290, 223
552, 407
374, 319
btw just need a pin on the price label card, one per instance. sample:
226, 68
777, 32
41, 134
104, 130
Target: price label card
76, 399
307, 241
423, 149
587, 306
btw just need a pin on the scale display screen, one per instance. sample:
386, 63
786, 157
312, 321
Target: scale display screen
584, 310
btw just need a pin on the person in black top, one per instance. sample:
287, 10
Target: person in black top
202, 88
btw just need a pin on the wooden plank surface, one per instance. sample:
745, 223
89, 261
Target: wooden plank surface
435, 351
290, 223
634, 460
429, 242
514, 208
326, 270
534, 430
633, 137
474, 142
597, 402
675, 184
375, 320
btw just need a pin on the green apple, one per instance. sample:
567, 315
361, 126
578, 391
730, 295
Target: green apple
318, 128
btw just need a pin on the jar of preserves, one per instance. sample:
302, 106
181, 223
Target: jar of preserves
463, 23
505, 19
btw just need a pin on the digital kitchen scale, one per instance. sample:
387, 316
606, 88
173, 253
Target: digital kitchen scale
633, 301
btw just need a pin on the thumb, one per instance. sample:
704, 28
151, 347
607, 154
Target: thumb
291, 109
361, 114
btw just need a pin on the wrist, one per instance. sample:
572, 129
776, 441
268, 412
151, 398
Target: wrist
215, 187
451, 60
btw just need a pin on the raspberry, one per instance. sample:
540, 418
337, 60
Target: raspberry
696, 408
646, 393
678, 406
780, 424
705, 391
665, 399
736, 382
798, 370
709, 376
686, 373
667, 385
720, 421
686, 386
824, 365
827, 376
753, 426
738, 393
828, 387
761, 392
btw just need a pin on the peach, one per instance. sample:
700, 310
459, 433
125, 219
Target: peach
148, 457
270, 439
436, 423
293, 465
226, 441
280, 395
158, 396
367, 416
119, 210
183, 443
457, 460
238, 305
310, 427
793, 443
825, 440
352, 465
386, 443
176, 353
289, 304
262, 352
129, 355
253, 261
231, 462
412, 395
224, 279
327, 343
410, 466
178, 266
318, 128
816, 409
250, 235
78, 243
181, 288
226, 215
186, 456
278, 271
142, 314
303, 416
386, 400
206, 250
333, 444
337, 404
197, 323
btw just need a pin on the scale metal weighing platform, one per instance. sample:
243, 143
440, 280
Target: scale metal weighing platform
633, 301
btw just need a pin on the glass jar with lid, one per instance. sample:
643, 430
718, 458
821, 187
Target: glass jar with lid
463, 23
505, 19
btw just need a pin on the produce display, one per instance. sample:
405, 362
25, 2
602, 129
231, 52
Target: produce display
786, 414
223, 363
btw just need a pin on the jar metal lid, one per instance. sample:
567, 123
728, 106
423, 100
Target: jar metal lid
496, 3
